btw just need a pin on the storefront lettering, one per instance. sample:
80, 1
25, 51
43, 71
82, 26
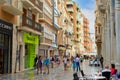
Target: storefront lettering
5, 26
31, 38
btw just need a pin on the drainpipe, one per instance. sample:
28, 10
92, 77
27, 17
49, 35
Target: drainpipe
53, 5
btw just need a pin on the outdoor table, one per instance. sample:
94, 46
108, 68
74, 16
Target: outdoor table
95, 77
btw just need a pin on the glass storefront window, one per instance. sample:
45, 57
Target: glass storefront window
6, 40
5, 53
0, 38
1, 61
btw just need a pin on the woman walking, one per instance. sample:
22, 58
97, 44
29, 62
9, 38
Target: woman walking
39, 65
74, 64
65, 62
46, 62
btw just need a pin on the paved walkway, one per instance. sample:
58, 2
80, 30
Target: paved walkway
56, 73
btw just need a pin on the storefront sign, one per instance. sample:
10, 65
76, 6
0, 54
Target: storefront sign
5, 25
30, 38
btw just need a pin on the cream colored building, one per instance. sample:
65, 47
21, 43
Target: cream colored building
80, 30
65, 34
9, 13
31, 30
107, 30
49, 35
72, 9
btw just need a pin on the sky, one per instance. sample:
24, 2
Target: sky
88, 8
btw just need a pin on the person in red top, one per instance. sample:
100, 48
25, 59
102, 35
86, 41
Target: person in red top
113, 70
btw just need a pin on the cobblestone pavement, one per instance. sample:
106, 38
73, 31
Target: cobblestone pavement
56, 73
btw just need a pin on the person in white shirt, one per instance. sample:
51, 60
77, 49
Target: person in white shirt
77, 59
106, 72
65, 62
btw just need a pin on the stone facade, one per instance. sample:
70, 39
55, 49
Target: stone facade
107, 30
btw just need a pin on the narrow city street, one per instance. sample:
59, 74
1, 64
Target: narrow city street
56, 73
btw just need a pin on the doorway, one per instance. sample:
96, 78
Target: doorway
4, 61
1, 61
5, 53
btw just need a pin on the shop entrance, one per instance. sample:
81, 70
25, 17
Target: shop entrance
1, 61
30, 53
5, 47
5, 53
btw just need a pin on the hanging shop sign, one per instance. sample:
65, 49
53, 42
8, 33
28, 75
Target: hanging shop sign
31, 38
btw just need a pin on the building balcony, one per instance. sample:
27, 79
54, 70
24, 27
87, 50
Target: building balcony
76, 40
71, 17
2, 2
102, 7
70, 10
47, 35
46, 17
45, 41
31, 24
68, 46
36, 6
56, 26
54, 44
57, 12
78, 19
98, 23
13, 7
69, 3
78, 26
98, 39
78, 32
68, 34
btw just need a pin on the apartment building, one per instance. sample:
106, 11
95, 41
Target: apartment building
72, 9
80, 30
107, 30
65, 34
86, 34
49, 31
29, 32
9, 11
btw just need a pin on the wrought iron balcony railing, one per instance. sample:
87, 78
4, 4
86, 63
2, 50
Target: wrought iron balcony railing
28, 22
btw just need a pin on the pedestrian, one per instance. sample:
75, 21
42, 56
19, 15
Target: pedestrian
65, 62
77, 62
58, 60
35, 61
52, 62
75, 76
81, 59
46, 62
39, 65
101, 61
106, 72
113, 70
74, 64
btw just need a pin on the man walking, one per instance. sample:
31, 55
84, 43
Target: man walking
101, 61
77, 62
